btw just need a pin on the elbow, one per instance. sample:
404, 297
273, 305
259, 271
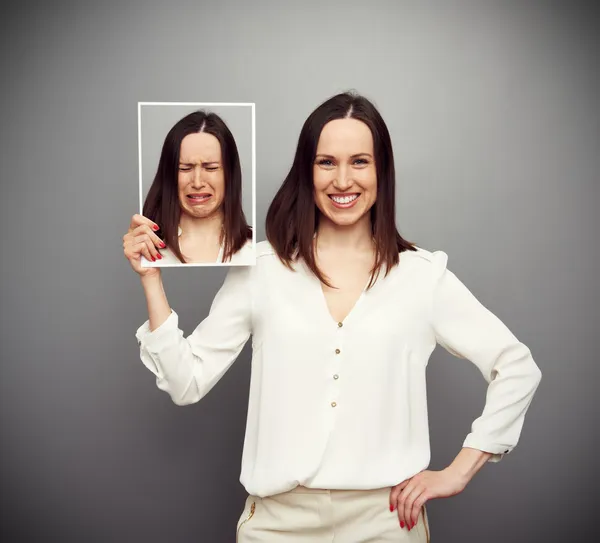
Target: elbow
180, 395
190, 395
536, 376
182, 400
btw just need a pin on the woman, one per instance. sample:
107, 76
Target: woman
344, 314
196, 196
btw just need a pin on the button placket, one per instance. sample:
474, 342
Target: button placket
336, 362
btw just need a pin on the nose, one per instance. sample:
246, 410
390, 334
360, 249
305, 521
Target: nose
197, 180
343, 180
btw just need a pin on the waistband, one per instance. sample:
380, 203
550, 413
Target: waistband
306, 490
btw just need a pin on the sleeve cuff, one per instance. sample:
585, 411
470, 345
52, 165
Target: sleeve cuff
497, 450
152, 340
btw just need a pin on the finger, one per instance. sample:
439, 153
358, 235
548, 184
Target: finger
148, 240
138, 220
145, 229
408, 505
417, 506
395, 492
138, 250
152, 250
401, 503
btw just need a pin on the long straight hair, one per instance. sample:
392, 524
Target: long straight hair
293, 217
162, 202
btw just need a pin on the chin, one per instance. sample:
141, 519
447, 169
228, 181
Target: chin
347, 220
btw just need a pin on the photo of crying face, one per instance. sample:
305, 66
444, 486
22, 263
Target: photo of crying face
196, 195
200, 177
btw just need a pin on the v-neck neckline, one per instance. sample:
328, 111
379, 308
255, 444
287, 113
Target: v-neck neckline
323, 299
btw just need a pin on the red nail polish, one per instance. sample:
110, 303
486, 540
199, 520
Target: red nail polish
153, 259
155, 227
391, 508
401, 524
159, 256
163, 245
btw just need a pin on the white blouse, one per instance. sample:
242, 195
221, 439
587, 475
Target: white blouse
244, 257
343, 405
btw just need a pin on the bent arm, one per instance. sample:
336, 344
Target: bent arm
188, 368
467, 329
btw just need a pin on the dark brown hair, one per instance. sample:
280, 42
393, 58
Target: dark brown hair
162, 202
293, 217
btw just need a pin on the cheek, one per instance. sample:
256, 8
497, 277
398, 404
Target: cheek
368, 180
321, 179
219, 183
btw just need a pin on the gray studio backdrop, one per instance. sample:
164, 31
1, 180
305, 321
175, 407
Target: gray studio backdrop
157, 119
492, 107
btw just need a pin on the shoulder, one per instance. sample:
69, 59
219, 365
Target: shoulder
429, 262
264, 250
253, 255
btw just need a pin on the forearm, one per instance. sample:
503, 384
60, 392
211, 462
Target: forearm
468, 462
156, 300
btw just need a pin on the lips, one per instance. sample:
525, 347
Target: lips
344, 201
198, 197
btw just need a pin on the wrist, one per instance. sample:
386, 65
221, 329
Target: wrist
467, 463
459, 475
151, 281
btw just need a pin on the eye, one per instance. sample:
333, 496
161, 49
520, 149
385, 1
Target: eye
211, 168
185, 169
324, 162
361, 161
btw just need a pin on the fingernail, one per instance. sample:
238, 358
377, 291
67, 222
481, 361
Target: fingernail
153, 259
155, 227
391, 508
163, 245
401, 524
158, 255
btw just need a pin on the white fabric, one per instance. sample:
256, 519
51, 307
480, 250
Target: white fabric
377, 434
244, 257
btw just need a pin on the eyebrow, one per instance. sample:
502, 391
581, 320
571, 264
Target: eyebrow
181, 163
353, 156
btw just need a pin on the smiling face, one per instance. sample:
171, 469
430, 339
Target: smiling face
344, 173
200, 179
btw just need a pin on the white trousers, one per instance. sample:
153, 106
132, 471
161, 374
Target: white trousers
306, 515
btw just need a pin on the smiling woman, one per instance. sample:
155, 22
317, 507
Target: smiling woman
337, 442
196, 195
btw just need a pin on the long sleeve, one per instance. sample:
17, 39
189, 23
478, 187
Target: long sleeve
188, 368
467, 329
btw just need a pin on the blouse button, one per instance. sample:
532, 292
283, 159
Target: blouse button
340, 324
333, 404
337, 351
336, 376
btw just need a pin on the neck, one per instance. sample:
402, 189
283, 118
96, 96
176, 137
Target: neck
202, 229
356, 236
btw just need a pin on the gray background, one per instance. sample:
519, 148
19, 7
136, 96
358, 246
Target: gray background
157, 120
493, 110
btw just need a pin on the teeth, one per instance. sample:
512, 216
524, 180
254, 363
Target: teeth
344, 199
